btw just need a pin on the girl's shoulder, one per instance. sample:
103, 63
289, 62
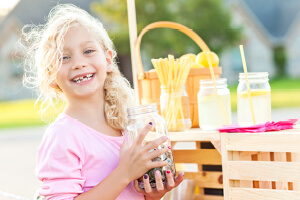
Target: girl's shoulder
62, 135
63, 127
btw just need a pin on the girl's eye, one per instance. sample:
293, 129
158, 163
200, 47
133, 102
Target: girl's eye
89, 51
65, 57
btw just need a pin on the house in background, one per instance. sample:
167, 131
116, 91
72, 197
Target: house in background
266, 24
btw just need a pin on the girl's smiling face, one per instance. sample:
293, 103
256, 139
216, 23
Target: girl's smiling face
84, 64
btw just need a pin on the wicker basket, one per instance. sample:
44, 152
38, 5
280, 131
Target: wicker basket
148, 82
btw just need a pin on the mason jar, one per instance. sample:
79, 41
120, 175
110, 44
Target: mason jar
138, 118
214, 107
260, 92
174, 107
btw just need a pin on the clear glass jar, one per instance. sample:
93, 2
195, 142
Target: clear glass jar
260, 97
175, 109
214, 108
138, 118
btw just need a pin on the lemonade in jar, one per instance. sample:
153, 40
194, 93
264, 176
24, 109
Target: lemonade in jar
214, 108
260, 92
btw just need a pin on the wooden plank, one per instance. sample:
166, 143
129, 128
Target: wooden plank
281, 157
264, 171
145, 94
199, 190
206, 179
264, 156
199, 156
240, 156
255, 183
217, 145
296, 158
205, 71
246, 155
270, 142
195, 116
155, 89
194, 134
133, 36
265, 194
189, 86
226, 156
196, 83
208, 197
235, 183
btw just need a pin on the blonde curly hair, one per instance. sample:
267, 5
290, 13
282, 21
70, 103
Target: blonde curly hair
44, 48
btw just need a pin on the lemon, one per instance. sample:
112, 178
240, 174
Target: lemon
202, 59
189, 55
196, 65
254, 92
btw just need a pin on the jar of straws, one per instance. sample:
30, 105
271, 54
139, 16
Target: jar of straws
172, 74
182, 121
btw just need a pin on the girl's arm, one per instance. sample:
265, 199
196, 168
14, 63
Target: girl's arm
109, 188
134, 162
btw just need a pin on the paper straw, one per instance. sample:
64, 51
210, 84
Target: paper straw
214, 81
247, 83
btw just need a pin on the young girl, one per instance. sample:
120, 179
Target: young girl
82, 154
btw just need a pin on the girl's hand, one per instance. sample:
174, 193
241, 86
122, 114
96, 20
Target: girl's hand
160, 190
137, 160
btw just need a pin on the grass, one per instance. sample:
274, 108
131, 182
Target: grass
285, 93
23, 113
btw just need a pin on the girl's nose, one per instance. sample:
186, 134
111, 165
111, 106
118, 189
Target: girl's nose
79, 66
79, 63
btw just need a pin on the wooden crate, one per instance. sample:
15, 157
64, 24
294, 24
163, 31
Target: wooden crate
261, 165
208, 180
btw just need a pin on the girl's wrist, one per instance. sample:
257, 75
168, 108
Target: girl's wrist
123, 176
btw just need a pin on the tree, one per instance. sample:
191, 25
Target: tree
280, 60
210, 19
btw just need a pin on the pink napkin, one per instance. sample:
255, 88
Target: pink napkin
269, 126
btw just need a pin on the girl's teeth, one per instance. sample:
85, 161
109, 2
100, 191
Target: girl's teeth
83, 78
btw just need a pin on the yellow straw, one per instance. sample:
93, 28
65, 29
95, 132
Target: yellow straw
247, 83
214, 81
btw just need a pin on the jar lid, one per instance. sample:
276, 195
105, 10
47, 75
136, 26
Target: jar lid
137, 110
219, 81
253, 75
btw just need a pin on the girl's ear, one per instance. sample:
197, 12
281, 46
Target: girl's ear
109, 60
54, 85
